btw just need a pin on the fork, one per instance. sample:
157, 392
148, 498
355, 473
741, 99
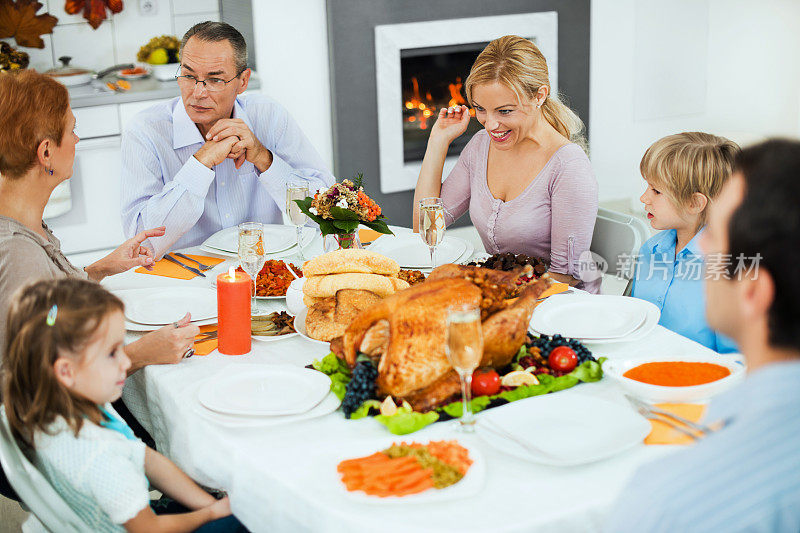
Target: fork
700, 428
665, 420
200, 265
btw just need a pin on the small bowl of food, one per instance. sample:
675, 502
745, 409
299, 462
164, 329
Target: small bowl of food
678, 378
135, 73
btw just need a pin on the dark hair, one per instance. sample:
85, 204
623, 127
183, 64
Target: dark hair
767, 224
32, 394
215, 32
34, 108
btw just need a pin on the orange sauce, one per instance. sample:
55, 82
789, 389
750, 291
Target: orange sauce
677, 373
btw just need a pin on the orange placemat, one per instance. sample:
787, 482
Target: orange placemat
366, 235
171, 270
205, 347
663, 434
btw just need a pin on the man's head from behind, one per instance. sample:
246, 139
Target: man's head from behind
216, 53
752, 238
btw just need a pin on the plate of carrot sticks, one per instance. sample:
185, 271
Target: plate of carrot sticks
407, 472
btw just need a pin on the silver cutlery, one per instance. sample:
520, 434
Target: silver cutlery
200, 265
206, 337
655, 410
665, 420
187, 267
528, 447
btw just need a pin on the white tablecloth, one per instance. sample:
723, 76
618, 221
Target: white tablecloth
278, 477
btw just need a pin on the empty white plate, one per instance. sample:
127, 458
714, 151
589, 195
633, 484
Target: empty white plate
277, 237
589, 316
328, 405
410, 252
164, 305
568, 428
265, 390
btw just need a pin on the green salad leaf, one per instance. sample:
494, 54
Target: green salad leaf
589, 371
404, 422
546, 383
363, 410
337, 370
478, 404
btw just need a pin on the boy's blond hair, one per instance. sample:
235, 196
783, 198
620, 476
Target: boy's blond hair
686, 163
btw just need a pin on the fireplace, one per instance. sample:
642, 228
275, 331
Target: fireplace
421, 67
433, 78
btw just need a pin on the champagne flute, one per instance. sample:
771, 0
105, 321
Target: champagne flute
251, 254
431, 224
464, 349
296, 217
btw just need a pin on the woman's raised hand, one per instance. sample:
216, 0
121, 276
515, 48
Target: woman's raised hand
130, 254
451, 123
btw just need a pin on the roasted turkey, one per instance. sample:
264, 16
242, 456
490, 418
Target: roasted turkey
405, 332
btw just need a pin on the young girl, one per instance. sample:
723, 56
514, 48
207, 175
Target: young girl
684, 173
64, 365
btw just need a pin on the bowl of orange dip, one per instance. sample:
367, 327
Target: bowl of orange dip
675, 378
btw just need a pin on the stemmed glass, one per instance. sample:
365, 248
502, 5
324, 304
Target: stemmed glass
431, 224
296, 217
464, 349
251, 254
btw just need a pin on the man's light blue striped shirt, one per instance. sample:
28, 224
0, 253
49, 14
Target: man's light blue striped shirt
745, 477
163, 184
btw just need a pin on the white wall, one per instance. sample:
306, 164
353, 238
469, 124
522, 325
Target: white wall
292, 62
748, 87
751, 71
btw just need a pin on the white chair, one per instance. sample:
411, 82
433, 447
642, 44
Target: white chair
617, 239
32, 487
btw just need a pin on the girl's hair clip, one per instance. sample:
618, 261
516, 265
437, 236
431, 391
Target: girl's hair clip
51, 315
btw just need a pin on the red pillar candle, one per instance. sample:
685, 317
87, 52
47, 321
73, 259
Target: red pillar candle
233, 312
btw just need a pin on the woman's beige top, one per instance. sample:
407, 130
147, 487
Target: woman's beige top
26, 256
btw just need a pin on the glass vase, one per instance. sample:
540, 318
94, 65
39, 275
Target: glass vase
341, 241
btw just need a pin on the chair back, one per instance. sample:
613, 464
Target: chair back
617, 238
33, 488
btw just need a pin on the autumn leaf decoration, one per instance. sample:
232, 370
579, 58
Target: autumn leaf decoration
93, 10
20, 21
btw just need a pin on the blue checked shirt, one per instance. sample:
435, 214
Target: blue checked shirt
745, 477
164, 185
675, 284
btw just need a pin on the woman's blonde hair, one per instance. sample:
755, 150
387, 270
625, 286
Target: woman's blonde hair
519, 65
687, 163
46, 320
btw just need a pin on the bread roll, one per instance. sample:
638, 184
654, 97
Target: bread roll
351, 260
325, 286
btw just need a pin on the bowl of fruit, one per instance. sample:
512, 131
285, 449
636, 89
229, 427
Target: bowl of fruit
162, 55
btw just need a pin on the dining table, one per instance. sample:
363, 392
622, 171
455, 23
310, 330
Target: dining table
283, 477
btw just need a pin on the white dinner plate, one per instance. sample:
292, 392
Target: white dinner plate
300, 326
277, 238
164, 305
272, 338
570, 429
133, 326
328, 405
649, 324
410, 252
590, 316
265, 390
471, 484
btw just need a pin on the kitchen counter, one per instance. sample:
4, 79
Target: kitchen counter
96, 93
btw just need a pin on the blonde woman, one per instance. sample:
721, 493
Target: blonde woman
528, 188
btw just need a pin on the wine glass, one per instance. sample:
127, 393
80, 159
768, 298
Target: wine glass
431, 224
251, 254
464, 349
296, 217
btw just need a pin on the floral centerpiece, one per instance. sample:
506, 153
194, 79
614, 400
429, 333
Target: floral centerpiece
340, 209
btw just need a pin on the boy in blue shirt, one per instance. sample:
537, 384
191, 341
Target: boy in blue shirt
684, 173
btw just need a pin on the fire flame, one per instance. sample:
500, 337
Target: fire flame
421, 111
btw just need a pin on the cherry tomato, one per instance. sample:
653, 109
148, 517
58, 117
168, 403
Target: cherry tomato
563, 359
485, 382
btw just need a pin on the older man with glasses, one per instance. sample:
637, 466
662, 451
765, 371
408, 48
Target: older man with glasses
214, 157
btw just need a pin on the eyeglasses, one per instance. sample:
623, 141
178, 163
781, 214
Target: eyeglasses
213, 85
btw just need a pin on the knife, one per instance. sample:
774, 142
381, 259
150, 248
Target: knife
190, 269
